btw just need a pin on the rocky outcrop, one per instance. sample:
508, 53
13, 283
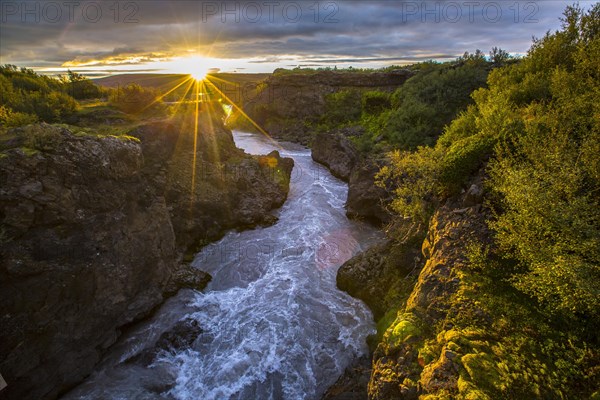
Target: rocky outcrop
352, 385
86, 250
336, 152
415, 282
215, 188
366, 200
402, 367
92, 235
378, 275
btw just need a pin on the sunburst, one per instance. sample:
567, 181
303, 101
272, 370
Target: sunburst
199, 74
196, 67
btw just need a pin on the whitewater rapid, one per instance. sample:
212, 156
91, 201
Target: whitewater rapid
271, 324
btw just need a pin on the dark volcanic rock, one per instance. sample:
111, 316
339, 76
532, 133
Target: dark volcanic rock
414, 278
336, 152
352, 385
84, 253
370, 276
92, 235
430, 302
181, 336
186, 276
365, 199
226, 189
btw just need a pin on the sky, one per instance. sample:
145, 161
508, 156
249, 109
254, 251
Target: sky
99, 38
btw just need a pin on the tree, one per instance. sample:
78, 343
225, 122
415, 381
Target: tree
80, 87
499, 56
29, 95
134, 99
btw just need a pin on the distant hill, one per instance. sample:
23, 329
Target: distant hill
237, 88
162, 81
146, 80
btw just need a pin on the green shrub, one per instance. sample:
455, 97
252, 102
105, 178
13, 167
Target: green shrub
10, 118
464, 125
429, 101
80, 87
24, 91
464, 158
547, 177
414, 179
42, 137
134, 99
375, 102
343, 107
551, 221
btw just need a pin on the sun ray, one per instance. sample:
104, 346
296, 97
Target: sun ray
183, 97
261, 130
159, 98
211, 131
197, 104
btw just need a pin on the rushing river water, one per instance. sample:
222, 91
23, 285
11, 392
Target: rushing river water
271, 324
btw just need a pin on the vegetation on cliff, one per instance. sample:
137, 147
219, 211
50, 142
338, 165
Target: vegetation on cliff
506, 305
415, 113
27, 97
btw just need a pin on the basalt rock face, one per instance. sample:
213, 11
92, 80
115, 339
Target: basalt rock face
92, 238
87, 249
402, 369
290, 102
366, 200
216, 188
378, 275
336, 152
420, 291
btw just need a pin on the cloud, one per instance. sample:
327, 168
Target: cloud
140, 32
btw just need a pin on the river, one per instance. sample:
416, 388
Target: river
271, 324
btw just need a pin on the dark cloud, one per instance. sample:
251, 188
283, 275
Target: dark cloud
340, 31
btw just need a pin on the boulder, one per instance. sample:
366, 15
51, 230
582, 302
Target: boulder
86, 250
336, 152
366, 200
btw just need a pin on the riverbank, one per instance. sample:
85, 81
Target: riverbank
95, 230
271, 322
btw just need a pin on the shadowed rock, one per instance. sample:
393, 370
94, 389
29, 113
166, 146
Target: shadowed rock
93, 231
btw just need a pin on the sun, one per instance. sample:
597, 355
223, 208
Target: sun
199, 74
196, 67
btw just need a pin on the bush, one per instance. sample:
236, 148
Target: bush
11, 119
463, 159
429, 101
547, 176
42, 137
53, 107
25, 92
551, 221
134, 99
375, 102
343, 107
414, 179
80, 87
